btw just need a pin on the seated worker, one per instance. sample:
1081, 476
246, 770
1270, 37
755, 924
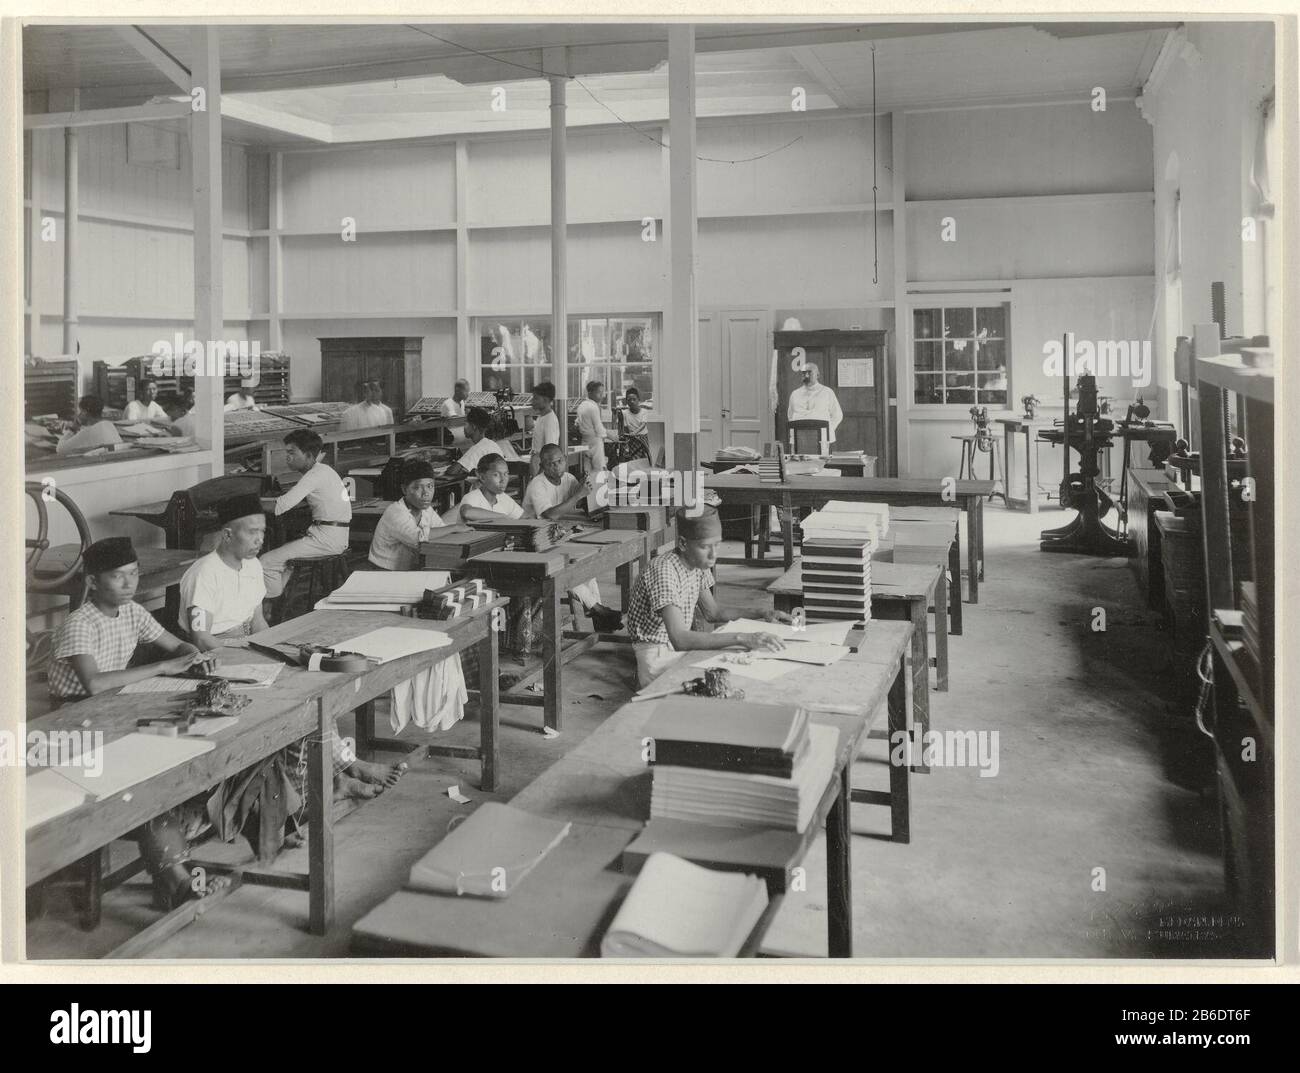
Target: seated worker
489, 501
455, 406
477, 423
499, 435
144, 408
180, 410
591, 426
90, 655
92, 430
221, 603
370, 412
551, 494
242, 399
676, 585
633, 419
546, 425
331, 510
409, 521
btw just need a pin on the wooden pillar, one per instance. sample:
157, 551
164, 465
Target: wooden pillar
71, 233
275, 251
555, 62
466, 345
900, 460
680, 365
205, 160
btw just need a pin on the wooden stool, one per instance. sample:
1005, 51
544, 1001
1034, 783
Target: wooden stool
311, 580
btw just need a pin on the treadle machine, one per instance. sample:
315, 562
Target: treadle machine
1087, 432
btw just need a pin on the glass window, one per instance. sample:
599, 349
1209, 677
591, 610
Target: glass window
959, 355
617, 350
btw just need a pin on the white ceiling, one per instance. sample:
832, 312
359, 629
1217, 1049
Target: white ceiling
303, 84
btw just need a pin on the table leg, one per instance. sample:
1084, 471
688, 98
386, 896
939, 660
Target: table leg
900, 800
954, 582
839, 878
979, 546
1031, 470
940, 641
489, 711
787, 530
1009, 460
320, 822
920, 673
553, 664
365, 730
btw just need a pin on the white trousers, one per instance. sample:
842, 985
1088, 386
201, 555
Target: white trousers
652, 660
319, 542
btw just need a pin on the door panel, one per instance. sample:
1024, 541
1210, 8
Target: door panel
710, 386
744, 378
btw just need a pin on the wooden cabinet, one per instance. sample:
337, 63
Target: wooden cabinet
347, 363
853, 365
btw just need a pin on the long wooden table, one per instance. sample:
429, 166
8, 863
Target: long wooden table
541, 576
564, 907
301, 704
967, 495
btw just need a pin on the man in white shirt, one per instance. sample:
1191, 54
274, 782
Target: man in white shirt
144, 408
181, 412
489, 499
551, 494
408, 522
241, 400
92, 431
814, 401
370, 412
455, 406
477, 423
222, 593
546, 425
591, 426
331, 509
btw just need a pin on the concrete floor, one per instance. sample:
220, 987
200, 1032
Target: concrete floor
1103, 780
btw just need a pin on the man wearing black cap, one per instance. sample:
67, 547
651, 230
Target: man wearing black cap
222, 593
96, 642
675, 588
409, 521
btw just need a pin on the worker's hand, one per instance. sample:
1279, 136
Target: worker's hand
777, 616
179, 664
760, 642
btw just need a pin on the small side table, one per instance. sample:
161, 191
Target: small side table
1029, 426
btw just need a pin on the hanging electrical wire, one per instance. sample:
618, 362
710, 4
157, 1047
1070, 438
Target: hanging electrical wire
574, 78
875, 210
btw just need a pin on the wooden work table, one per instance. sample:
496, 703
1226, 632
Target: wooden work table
966, 495
301, 704
564, 907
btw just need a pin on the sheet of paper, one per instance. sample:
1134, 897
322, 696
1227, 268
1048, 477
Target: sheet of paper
830, 633
767, 670
264, 673
389, 586
393, 642
821, 655
127, 761
49, 794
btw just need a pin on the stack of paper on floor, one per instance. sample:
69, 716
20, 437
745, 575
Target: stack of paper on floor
736, 764
383, 590
678, 909
489, 854
922, 542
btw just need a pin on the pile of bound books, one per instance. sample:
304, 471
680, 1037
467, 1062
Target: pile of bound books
732, 763
529, 534
449, 551
835, 560
452, 601
771, 467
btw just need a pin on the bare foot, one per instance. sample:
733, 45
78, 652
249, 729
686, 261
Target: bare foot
345, 786
380, 774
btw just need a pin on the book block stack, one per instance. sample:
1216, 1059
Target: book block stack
835, 562
449, 551
529, 534
771, 467
922, 542
452, 601
731, 763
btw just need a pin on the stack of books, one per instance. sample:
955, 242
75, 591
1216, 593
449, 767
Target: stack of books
771, 467
731, 763
835, 576
877, 514
455, 600
529, 534
922, 542
449, 551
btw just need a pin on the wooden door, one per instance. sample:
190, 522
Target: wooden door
339, 374
744, 368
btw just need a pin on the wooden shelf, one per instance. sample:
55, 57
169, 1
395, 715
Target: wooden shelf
1245, 677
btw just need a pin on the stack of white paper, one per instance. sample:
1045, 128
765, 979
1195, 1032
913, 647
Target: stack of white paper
383, 590
678, 909
738, 799
392, 642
